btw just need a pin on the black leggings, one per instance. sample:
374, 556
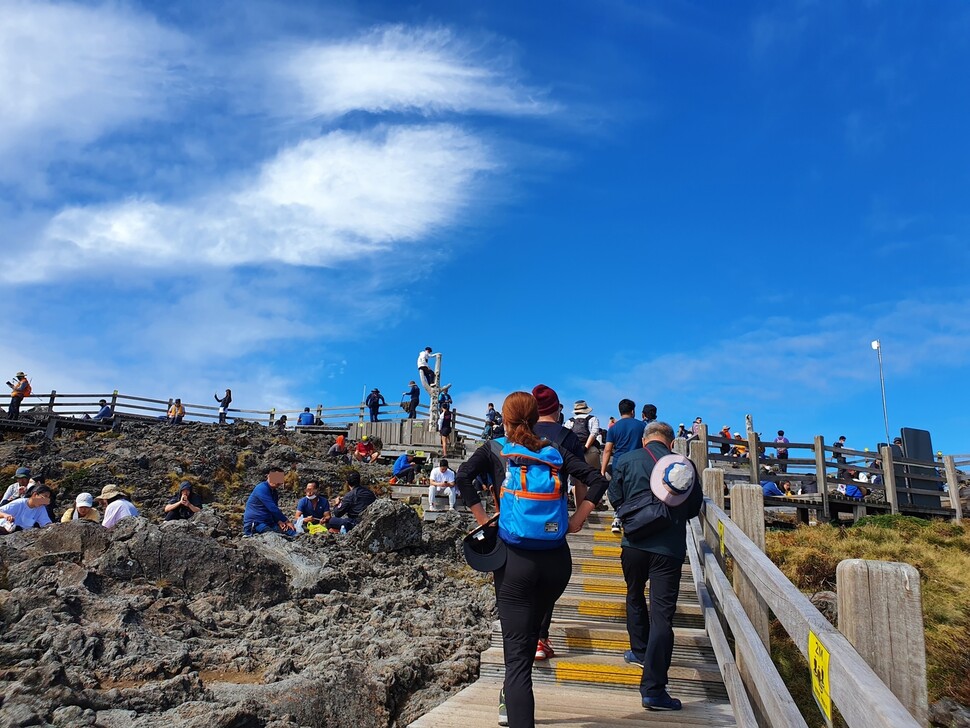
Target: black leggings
525, 589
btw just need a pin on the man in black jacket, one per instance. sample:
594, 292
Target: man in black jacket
348, 510
657, 558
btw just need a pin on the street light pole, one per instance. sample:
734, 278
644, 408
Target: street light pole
882, 383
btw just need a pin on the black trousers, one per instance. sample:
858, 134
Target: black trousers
14, 411
651, 631
413, 411
406, 475
374, 411
783, 467
525, 589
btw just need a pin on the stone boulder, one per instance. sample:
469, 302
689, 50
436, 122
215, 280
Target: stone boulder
387, 526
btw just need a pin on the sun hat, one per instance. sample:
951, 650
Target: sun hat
22, 473
84, 500
672, 479
110, 491
21, 374
547, 399
581, 408
484, 550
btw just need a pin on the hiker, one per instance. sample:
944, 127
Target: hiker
19, 388
305, 418
176, 412
423, 365
739, 447
726, 434
365, 452
313, 506
442, 479
493, 424
445, 422
183, 505
768, 485
404, 468
695, 429
538, 564
548, 427
338, 450
684, 433
18, 488
105, 412
28, 511
586, 426
782, 451
224, 403
444, 398
374, 401
625, 437
413, 397
263, 512
117, 505
348, 509
648, 414
657, 557
610, 423
82, 510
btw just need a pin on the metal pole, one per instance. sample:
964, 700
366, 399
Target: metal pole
882, 383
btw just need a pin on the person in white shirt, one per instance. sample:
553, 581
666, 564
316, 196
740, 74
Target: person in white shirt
18, 489
117, 505
442, 480
26, 512
423, 365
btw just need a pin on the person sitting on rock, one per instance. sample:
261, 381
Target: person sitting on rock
280, 424
313, 507
338, 451
105, 412
305, 419
348, 510
263, 512
404, 468
82, 510
117, 505
26, 512
442, 480
175, 414
365, 452
18, 488
184, 504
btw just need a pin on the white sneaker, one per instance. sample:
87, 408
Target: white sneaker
431, 507
617, 526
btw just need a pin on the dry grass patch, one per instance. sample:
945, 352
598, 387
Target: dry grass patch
939, 550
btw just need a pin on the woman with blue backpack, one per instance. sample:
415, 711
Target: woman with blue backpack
531, 560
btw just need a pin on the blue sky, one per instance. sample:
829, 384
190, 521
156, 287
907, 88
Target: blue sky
713, 207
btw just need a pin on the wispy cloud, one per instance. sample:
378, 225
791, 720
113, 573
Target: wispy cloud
72, 73
321, 202
399, 69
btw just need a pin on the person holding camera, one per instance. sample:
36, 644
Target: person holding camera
19, 388
184, 505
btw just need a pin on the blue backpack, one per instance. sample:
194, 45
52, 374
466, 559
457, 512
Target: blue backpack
533, 514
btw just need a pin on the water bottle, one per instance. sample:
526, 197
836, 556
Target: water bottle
343, 530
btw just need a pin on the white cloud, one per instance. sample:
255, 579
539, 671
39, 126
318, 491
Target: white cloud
398, 69
71, 73
322, 202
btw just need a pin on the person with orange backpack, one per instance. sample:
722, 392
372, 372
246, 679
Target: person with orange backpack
19, 389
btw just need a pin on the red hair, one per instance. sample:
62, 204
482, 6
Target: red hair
520, 411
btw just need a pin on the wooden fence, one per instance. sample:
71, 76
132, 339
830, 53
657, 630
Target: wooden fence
879, 616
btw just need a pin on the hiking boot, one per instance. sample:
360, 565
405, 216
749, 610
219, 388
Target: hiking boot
632, 659
544, 650
503, 716
617, 526
662, 702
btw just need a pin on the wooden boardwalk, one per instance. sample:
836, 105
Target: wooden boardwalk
587, 683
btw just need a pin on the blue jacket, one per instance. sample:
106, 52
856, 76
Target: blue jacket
262, 506
414, 393
401, 463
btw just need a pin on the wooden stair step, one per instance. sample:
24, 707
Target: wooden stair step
575, 638
695, 678
605, 608
576, 706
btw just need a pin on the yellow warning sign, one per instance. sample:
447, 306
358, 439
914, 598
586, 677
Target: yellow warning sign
818, 660
720, 537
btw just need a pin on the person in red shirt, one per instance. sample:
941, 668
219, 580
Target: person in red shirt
365, 452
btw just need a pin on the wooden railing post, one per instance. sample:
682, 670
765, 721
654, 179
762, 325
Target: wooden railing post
698, 450
50, 402
713, 479
680, 446
881, 614
748, 512
889, 478
114, 402
953, 485
820, 477
753, 458
272, 416
319, 414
